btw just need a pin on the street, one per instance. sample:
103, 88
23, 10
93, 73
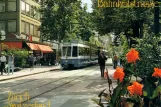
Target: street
60, 88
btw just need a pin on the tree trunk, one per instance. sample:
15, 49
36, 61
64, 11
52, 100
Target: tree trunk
141, 29
136, 28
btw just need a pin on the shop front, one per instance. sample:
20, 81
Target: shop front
42, 53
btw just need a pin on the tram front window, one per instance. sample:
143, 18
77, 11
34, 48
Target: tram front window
75, 51
66, 51
69, 51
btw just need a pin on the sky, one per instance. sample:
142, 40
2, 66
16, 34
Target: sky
89, 4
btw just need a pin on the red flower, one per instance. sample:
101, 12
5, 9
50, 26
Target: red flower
119, 74
157, 72
136, 88
132, 56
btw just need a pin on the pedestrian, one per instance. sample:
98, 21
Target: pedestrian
101, 60
31, 61
115, 59
3, 63
35, 60
10, 63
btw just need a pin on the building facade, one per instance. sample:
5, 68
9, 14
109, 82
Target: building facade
19, 19
19, 27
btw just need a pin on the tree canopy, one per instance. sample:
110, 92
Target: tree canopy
131, 20
64, 19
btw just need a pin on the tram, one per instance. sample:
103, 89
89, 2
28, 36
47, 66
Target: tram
77, 54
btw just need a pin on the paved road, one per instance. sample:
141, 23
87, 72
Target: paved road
74, 88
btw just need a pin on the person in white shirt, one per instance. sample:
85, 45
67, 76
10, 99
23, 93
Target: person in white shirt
10, 63
3, 62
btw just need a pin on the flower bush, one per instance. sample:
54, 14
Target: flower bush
139, 77
139, 80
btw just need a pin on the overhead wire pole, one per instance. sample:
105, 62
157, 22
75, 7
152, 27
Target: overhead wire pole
156, 17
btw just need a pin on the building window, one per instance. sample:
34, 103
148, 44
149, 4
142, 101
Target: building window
27, 28
31, 29
2, 6
36, 31
28, 9
2, 26
22, 27
12, 26
12, 5
23, 6
32, 11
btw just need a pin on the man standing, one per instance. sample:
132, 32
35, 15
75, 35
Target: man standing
10, 63
101, 60
3, 61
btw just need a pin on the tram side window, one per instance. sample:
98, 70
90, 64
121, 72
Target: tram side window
75, 52
66, 51
81, 51
87, 51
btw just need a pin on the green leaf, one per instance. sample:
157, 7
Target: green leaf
145, 93
115, 94
156, 92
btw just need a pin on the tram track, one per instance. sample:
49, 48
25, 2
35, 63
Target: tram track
59, 85
37, 75
49, 83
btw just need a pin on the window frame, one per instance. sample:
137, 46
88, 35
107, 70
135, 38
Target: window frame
15, 6
5, 24
26, 10
21, 8
24, 27
32, 29
4, 6
8, 26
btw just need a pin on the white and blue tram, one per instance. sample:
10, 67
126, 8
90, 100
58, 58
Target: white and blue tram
76, 54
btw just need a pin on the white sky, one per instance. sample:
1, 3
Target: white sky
89, 4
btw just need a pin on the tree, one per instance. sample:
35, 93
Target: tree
56, 18
86, 24
64, 20
128, 20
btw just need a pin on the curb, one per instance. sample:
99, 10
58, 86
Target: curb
27, 75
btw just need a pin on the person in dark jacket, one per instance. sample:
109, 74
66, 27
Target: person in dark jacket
101, 60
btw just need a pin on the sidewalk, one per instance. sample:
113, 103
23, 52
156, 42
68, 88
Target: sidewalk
38, 69
26, 72
109, 62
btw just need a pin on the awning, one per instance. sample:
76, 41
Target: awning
33, 46
17, 45
45, 49
42, 48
